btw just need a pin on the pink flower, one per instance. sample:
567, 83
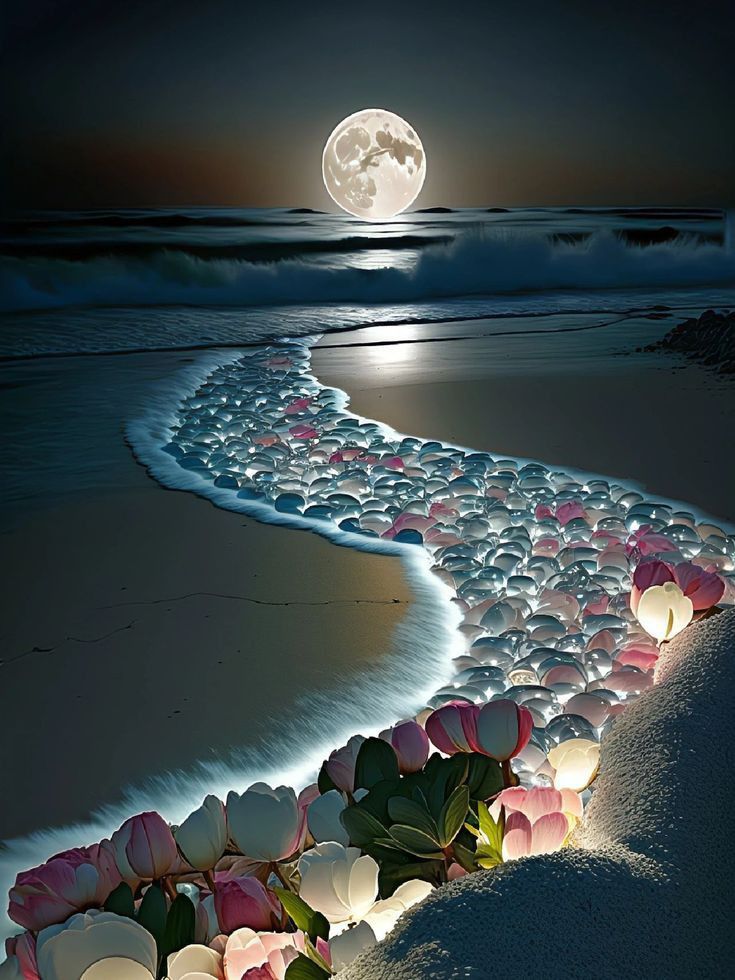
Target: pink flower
245, 902
23, 948
570, 511
537, 820
646, 542
393, 463
453, 727
336, 457
648, 573
146, 844
341, 764
503, 729
543, 512
261, 956
410, 743
70, 882
704, 589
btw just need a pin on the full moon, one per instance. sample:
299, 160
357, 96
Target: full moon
374, 164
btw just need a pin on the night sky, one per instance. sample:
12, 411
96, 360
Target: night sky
228, 102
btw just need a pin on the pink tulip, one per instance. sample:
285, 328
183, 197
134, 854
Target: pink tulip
23, 948
453, 727
147, 844
242, 902
570, 512
70, 882
410, 743
263, 956
341, 764
536, 820
648, 573
704, 589
646, 542
503, 729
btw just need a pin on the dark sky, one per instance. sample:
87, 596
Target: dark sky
229, 101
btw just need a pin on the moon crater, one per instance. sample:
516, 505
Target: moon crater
374, 164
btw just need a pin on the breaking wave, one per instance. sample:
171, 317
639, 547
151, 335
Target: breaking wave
471, 265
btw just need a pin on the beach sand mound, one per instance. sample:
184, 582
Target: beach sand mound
646, 889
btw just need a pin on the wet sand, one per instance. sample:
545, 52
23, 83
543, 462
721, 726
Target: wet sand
144, 629
582, 399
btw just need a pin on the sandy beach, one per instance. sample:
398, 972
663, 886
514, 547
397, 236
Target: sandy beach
145, 629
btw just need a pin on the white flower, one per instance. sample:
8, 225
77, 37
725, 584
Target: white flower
202, 837
346, 946
266, 824
323, 818
576, 762
385, 913
86, 939
194, 961
338, 882
664, 610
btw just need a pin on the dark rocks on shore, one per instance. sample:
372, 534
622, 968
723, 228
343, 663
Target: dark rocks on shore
709, 339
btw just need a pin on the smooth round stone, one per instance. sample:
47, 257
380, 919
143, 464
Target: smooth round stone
594, 708
567, 726
227, 482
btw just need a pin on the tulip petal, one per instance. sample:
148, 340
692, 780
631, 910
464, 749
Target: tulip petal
549, 833
518, 836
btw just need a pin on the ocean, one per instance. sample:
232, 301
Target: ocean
187, 278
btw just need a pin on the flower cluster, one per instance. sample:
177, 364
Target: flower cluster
566, 591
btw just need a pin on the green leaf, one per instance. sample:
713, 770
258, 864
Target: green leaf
120, 901
393, 875
363, 828
152, 914
179, 931
487, 857
453, 815
324, 780
415, 841
491, 830
302, 968
464, 857
446, 776
303, 916
414, 815
484, 777
376, 760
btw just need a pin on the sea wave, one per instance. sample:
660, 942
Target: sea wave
471, 265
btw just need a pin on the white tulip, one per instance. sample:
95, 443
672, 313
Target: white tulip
348, 944
575, 762
195, 960
385, 913
338, 882
323, 818
202, 837
116, 968
664, 610
265, 823
70, 949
